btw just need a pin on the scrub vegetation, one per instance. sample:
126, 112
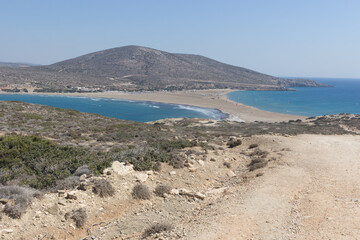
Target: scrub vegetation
45, 148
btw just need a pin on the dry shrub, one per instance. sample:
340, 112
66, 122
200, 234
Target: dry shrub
68, 183
82, 170
259, 153
257, 163
79, 216
157, 167
257, 166
19, 199
177, 162
234, 143
141, 191
103, 188
161, 190
157, 228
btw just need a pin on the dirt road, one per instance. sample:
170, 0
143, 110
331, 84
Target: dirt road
313, 194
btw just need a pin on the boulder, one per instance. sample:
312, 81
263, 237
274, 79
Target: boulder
121, 169
230, 173
141, 177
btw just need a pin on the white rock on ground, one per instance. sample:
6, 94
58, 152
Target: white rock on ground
121, 169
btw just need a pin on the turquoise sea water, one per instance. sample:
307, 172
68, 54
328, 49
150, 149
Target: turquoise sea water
121, 109
344, 97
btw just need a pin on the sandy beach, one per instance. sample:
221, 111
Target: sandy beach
215, 98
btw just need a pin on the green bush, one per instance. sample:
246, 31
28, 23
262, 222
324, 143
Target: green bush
169, 145
145, 158
39, 163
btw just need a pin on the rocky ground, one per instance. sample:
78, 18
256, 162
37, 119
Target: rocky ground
308, 190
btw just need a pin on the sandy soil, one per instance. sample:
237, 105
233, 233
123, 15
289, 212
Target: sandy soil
314, 194
202, 98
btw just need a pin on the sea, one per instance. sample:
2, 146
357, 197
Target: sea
343, 97
139, 111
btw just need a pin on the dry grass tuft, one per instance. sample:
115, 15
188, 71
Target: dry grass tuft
157, 228
161, 190
141, 191
103, 188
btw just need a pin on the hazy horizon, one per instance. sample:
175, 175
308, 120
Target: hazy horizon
281, 38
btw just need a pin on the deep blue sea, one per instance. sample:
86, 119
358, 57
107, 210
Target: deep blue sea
344, 97
122, 109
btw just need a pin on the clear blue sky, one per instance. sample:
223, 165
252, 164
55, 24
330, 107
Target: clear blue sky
309, 38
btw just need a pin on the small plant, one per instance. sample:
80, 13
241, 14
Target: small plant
141, 191
259, 153
177, 162
79, 216
68, 183
257, 163
157, 166
161, 190
82, 170
234, 143
157, 228
103, 188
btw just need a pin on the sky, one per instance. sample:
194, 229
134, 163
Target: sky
286, 38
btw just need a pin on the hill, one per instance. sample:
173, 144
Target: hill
141, 68
16, 65
72, 175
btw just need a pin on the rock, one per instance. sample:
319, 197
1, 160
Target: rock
60, 202
213, 159
201, 162
216, 191
83, 177
61, 193
6, 231
83, 186
141, 177
184, 191
172, 173
199, 195
230, 173
71, 195
175, 191
5, 201
121, 169
193, 169
54, 210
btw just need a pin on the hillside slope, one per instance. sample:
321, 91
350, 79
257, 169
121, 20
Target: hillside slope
135, 67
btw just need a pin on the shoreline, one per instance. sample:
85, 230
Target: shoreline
214, 99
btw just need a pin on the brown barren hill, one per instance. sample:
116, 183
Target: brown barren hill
142, 68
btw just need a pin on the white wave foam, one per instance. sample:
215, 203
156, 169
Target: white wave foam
213, 113
233, 118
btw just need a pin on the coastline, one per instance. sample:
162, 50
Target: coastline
214, 98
